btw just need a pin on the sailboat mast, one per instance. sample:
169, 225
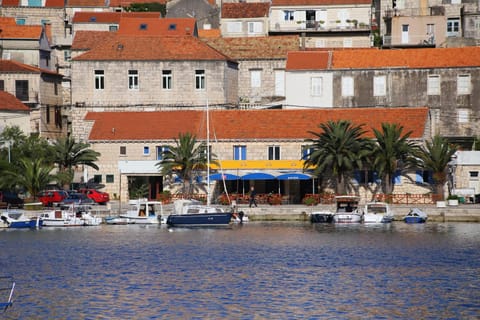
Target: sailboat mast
208, 155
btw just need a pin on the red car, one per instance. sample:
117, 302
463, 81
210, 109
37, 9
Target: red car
50, 197
97, 196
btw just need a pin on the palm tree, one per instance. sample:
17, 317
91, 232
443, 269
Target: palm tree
68, 154
183, 159
435, 156
392, 148
31, 174
338, 149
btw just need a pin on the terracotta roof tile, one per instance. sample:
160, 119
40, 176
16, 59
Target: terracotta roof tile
20, 32
54, 3
245, 10
10, 3
126, 3
237, 48
209, 33
247, 124
17, 67
87, 3
161, 27
9, 102
125, 48
307, 60
317, 2
7, 21
86, 40
110, 17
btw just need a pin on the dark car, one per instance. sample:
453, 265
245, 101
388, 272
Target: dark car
51, 197
77, 198
11, 199
97, 196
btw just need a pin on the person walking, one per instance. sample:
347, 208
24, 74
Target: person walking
253, 194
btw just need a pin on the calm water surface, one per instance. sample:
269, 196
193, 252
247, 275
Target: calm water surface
254, 271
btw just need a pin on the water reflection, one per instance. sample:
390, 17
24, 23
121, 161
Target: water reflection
255, 271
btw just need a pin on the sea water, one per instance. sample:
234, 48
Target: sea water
253, 271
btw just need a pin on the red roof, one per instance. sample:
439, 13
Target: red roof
54, 3
9, 102
110, 17
209, 33
87, 3
7, 21
374, 58
20, 32
245, 10
151, 26
86, 40
247, 124
18, 67
126, 3
317, 2
128, 48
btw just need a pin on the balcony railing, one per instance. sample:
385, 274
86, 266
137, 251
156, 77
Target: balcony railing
312, 25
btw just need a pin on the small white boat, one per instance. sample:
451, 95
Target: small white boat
116, 220
143, 211
415, 215
347, 210
71, 216
377, 212
18, 220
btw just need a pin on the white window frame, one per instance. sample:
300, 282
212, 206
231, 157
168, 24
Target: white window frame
255, 78
167, 79
99, 79
200, 80
316, 86
239, 152
274, 152
348, 89
132, 79
463, 84
288, 15
255, 27
160, 150
433, 85
379, 86
234, 27
453, 27
146, 150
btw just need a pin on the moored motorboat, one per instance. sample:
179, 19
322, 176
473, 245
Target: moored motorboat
18, 220
377, 212
70, 216
143, 211
192, 213
415, 215
321, 216
347, 210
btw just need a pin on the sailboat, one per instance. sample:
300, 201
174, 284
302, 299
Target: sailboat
193, 213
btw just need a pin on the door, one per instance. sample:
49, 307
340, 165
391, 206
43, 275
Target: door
405, 28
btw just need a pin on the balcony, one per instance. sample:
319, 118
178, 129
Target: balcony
319, 26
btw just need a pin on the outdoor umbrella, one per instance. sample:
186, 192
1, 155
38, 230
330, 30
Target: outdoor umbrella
258, 176
224, 176
294, 176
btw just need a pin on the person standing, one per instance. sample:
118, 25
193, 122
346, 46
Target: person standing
253, 194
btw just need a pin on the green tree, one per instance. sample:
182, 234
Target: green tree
147, 7
391, 152
68, 153
435, 156
338, 149
31, 174
185, 158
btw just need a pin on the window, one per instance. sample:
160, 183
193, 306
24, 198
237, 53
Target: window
280, 83
133, 79
422, 177
320, 43
109, 178
365, 177
463, 84
288, 15
379, 86
146, 150
463, 115
255, 78
347, 87
239, 152
433, 84
347, 42
58, 116
316, 86
113, 28
234, 27
21, 90
160, 151
453, 27
255, 27
274, 153
200, 79
99, 80
2, 85
97, 178
167, 79
307, 152
20, 21
47, 114
123, 150
473, 175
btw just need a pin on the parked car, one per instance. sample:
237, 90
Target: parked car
96, 195
11, 199
50, 197
77, 198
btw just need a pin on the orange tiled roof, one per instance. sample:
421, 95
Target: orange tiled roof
20, 32
54, 3
247, 124
9, 102
17, 67
374, 58
245, 10
126, 3
7, 21
10, 3
275, 47
87, 3
125, 48
86, 40
209, 33
110, 17
150, 26
317, 2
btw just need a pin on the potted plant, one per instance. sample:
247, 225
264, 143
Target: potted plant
452, 200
